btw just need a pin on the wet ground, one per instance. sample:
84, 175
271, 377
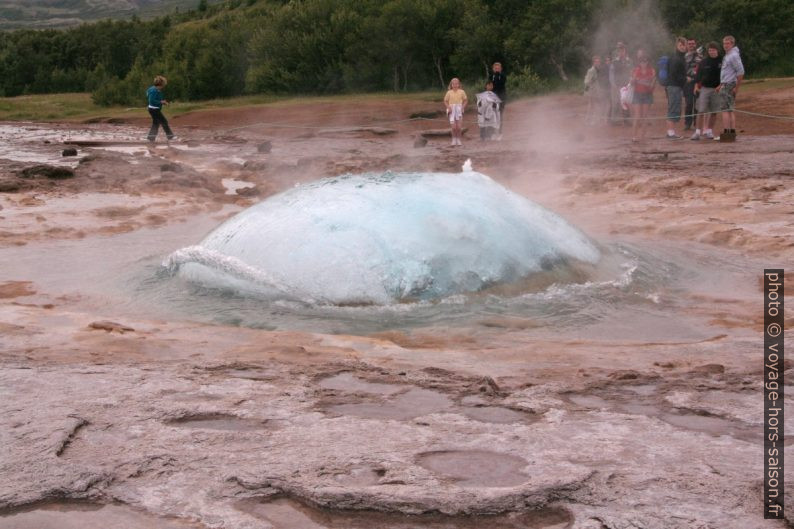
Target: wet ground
629, 402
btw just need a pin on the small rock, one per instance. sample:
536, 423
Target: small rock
710, 369
110, 326
176, 168
47, 171
265, 147
420, 142
666, 365
248, 191
69, 151
427, 115
624, 374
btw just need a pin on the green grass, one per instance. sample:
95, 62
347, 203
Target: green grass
80, 107
763, 85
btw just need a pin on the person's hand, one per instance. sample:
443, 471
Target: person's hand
735, 91
717, 90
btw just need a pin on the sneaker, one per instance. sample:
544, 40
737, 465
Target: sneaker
716, 138
708, 135
674, 137
695, 136
173, 138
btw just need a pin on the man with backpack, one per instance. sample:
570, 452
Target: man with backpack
674, 78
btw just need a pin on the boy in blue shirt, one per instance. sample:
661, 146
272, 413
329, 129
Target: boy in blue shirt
155, 99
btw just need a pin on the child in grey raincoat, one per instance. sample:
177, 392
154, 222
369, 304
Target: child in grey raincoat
488, 117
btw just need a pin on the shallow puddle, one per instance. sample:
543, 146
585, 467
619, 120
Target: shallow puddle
475, 468
715, 426
218, 422
680, 418
360, 477
87, 516
497, 414
350, 384
409, 405
589, 401
289, 514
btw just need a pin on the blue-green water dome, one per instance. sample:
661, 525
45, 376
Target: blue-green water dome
384, 238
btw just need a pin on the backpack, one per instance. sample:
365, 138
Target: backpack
662, 71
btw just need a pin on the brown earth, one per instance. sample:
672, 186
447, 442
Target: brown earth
224, 426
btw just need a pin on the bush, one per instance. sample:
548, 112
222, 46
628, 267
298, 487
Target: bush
527, 82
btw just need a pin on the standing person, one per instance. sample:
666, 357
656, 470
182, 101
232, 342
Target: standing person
692, 58
731, 76
155, 99
488, 112
643, 79
592, 90
676, 79
619, 76
499, 80
707, 79
455, 100
603, 80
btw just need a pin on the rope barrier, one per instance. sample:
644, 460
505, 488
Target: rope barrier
468, 122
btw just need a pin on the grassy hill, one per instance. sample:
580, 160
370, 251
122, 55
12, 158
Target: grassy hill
41, 14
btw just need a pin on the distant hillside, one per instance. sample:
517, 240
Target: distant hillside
41, 14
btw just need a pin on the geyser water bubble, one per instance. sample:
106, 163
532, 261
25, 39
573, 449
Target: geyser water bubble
384, 238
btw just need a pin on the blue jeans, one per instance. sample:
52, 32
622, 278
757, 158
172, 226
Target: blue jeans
674, 96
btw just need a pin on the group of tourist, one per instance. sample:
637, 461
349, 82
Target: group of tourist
490, 106
619, 90
703, 84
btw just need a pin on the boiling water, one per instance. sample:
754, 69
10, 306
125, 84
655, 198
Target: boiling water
564, 283
384, 238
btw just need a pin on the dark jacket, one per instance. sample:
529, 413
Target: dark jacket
603, 77
154, 97
676, 70
708, 72
499, 81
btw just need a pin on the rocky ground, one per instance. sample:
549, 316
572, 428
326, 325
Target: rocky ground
113, 419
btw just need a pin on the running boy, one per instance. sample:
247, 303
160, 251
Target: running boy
155, 99
455, 100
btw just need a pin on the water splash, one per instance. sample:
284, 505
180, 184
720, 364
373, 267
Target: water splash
384, 238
